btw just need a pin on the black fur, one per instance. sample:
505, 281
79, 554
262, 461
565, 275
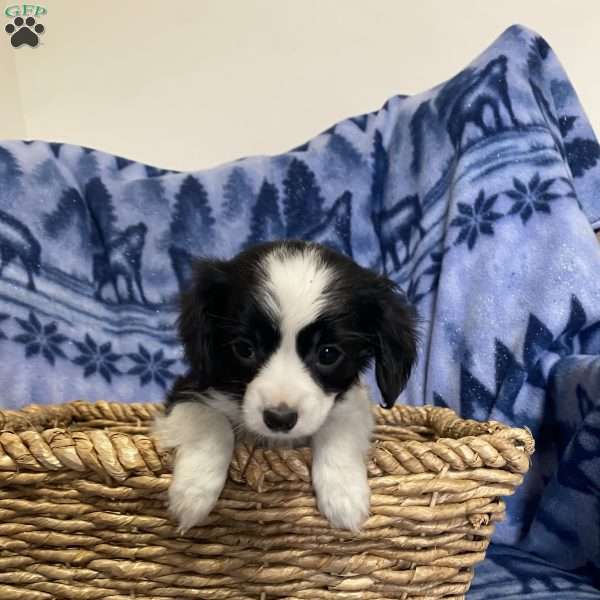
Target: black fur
217, 309
365, 316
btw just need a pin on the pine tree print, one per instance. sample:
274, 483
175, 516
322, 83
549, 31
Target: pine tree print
237, 193
266, 221
9, 169
346, 151
335, 230
70, 209
102, 212
379, 169
192, 222
303, 203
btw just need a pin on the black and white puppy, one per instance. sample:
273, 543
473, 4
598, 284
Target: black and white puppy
276, 340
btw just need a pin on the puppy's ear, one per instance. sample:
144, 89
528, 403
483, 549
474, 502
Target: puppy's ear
393, 325
204, 296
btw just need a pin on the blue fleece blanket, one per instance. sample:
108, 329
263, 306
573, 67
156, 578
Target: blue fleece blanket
479, 197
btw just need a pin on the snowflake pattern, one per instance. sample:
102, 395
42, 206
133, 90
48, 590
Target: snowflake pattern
40, 339
97, 359
151, 367
476, 219
533, 197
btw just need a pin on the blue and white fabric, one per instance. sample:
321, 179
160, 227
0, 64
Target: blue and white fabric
479, 197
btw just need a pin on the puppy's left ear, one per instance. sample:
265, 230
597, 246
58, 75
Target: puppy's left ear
396, 342
203, 298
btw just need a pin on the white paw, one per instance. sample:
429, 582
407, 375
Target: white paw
191, 504
198, 479
204, 442
343, 496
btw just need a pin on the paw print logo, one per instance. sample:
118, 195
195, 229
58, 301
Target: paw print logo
24, 31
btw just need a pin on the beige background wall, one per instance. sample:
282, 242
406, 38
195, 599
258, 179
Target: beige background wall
191, 84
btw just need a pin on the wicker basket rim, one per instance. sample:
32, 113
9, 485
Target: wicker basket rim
115, 440
445, 422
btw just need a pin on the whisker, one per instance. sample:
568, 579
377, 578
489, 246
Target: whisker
190, 394
237, 428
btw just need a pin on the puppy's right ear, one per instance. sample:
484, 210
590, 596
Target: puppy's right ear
204, 296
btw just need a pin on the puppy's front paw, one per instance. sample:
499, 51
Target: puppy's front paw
198, 480
203, 440
343, 496
190, 504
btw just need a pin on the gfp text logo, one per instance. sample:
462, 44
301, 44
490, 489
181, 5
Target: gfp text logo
24, 29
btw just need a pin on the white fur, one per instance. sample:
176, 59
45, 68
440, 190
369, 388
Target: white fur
294, 286
285, 380
339, 471
293, 291
203, 438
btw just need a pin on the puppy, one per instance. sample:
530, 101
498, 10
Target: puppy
277, 339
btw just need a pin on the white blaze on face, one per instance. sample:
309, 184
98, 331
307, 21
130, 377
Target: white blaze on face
294, 286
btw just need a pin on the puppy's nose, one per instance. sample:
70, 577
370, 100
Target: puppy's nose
280, 419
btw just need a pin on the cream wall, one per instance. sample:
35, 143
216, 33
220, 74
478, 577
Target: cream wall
192, 84
12, 121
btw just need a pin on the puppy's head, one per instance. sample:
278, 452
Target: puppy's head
286, 328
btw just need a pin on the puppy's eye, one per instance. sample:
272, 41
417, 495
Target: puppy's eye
244, 350
329, 356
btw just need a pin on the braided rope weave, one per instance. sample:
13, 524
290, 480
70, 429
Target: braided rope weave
82, 512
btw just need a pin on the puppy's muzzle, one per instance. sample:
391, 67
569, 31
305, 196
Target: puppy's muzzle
281, 419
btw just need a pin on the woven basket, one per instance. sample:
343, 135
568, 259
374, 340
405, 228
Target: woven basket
82, 512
